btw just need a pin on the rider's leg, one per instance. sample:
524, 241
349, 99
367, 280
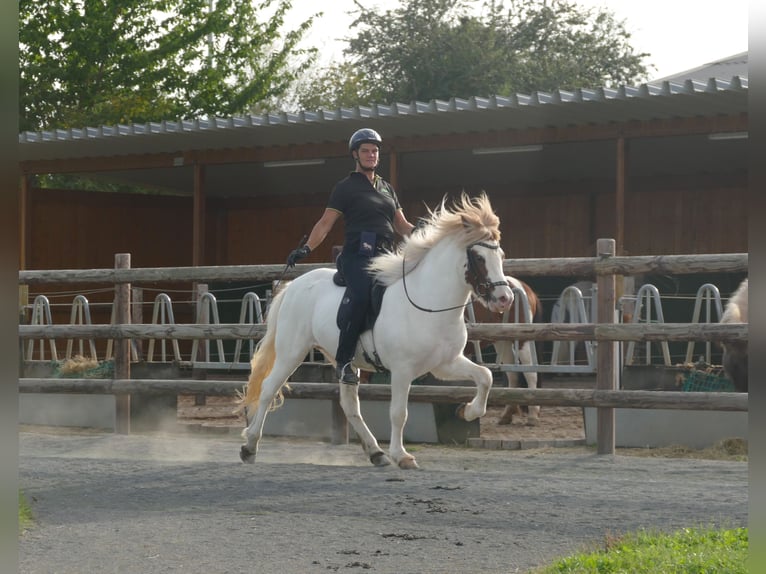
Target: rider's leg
352, 314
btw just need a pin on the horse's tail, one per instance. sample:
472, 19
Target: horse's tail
264, 357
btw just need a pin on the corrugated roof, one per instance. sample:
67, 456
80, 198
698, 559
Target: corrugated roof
657, 100
735, 65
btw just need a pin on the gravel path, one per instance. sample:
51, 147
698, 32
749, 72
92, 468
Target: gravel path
145, 504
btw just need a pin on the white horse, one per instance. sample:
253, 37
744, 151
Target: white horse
420, 328
735, 352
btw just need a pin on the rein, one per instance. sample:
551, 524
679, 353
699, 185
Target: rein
486, 285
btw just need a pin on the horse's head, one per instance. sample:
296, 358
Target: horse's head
484, 273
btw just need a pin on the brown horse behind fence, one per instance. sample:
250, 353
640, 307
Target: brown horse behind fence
505, 349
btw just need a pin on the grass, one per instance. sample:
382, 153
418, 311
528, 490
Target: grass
25, 513
686, 551
733, 449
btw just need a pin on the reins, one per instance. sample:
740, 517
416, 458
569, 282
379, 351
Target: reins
276, 285
486, 284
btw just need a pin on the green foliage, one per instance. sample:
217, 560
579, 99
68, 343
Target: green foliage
438, 49
100, 184
25, 513
338, 85
687, 551
104, 62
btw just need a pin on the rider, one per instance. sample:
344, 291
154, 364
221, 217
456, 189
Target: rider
371, 213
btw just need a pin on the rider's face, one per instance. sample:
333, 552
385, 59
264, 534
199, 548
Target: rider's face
367, 155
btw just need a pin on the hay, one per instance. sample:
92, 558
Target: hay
82, 367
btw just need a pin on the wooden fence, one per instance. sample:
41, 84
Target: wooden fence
605, 267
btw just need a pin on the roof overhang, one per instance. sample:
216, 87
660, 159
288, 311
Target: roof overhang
429, 139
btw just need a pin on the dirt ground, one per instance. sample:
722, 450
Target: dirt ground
555, 423
183, 502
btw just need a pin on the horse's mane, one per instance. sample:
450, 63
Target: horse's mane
468, 220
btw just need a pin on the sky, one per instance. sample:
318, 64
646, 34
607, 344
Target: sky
679, 35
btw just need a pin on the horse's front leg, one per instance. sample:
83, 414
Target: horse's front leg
349, 401
400, 390
462, 368
506, 355
525, 358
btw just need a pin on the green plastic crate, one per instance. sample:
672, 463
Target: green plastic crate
697, 381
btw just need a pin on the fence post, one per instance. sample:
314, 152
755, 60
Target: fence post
200, 348
606, 357
122, 346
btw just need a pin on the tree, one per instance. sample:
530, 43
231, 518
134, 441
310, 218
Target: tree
103, 62
438, 49
337, 85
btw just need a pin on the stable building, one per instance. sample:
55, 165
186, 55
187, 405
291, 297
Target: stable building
662, 167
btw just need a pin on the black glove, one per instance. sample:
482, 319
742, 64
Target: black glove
298, 254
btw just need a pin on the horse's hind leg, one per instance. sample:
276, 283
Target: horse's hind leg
269, 389
349, 401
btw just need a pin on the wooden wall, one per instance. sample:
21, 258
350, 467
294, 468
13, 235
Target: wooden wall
72, 229
84, 230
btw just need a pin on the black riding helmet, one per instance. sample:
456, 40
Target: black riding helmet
364, 135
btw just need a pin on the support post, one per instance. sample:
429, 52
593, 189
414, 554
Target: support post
619, 203
606, 356
122, 346
25, 232
198, 225
393, 176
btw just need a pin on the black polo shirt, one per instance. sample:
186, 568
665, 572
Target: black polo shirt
365, 206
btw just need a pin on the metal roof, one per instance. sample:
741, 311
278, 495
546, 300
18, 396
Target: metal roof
735, 65
650, 101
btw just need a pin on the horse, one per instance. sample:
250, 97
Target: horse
735, 352
506, 351
428, 281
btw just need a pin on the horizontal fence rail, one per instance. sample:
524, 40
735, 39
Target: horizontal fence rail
605, 267
484, 331
564, 266
418, 393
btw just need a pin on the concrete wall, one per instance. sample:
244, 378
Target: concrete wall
653, 428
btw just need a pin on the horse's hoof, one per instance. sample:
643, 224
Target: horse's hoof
408, 464
380, 459
533, 422
246, 456
460, 411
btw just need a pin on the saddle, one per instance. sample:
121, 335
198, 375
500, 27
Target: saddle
376, 301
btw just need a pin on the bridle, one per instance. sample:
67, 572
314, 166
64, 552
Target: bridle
482, 288
478, 280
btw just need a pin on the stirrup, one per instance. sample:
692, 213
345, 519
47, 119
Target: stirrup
347, 374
